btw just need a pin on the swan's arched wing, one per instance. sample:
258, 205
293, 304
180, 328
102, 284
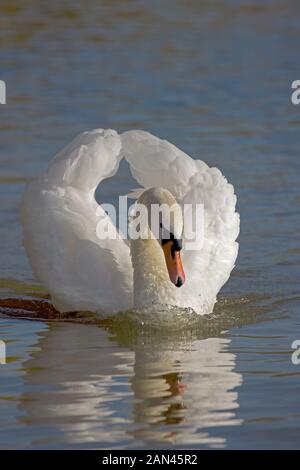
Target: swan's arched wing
209, 265
156, 162
60, 217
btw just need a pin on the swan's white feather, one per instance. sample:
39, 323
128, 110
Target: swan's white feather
209, 267
60, 216
135, 193
157, 162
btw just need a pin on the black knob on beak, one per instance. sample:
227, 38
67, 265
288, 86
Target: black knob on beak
179, 282
177, 244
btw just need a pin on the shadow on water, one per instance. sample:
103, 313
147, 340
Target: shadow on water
136, 379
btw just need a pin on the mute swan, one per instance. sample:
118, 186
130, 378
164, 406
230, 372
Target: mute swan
59, 215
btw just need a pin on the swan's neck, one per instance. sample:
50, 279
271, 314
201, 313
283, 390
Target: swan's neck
151, 279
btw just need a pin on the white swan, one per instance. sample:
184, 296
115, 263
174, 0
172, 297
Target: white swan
82, 272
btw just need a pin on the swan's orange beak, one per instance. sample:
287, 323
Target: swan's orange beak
174, 264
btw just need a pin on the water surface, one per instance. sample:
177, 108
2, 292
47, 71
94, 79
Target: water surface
214, 78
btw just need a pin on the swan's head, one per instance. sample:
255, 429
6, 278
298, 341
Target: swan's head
167, 213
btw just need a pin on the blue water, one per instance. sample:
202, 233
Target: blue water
215, 79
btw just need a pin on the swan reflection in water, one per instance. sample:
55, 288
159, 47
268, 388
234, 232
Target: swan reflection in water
131, 385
